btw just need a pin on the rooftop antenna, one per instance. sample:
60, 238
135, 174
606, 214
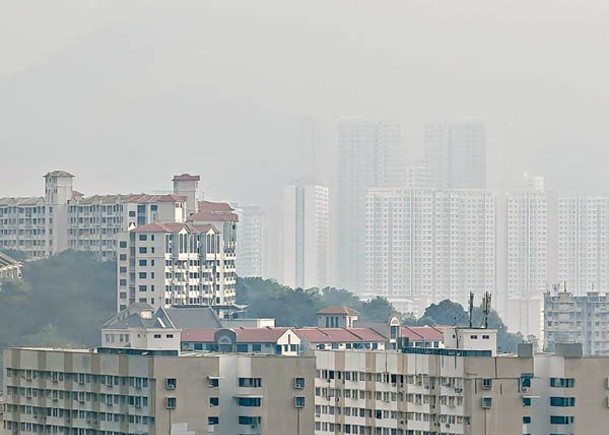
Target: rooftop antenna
471, 308
486, 308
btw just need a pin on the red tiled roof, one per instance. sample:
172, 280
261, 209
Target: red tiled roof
214, 212
259, 335
329, 335
199, 335
186, 177
173, 227
338, 310
212, 206
143, 198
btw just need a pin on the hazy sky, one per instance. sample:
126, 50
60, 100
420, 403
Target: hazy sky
126, 93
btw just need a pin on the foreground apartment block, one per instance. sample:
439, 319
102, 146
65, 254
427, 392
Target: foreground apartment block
577, 319
107, 391
66, 219
460, 391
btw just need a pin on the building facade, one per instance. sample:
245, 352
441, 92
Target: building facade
155, 392
455, 152
10, 269
370, 154
306, 236
569, 318
583, 242
430, 245
66, 219
164, 264
252, 237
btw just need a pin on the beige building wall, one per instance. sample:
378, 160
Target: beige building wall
194, 393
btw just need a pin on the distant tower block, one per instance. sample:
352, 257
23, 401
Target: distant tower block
188, 186
58, 192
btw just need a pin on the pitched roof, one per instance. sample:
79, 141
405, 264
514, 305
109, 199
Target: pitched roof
190, 317
59, 174
210, 211
202, 335
23, 201
338, 310
329, 335
186, 177
418, 333
259, 335
133, 317
173, 227
143, 198
6, 261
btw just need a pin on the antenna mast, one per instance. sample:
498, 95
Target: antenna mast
486, 307
471, 308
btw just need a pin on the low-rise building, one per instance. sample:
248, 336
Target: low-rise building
115, 391
577, 319
10, 268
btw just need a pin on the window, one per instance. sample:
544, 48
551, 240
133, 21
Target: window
526, 401
171, 383
252, 421
122, 257
132, 213
122, 244
214, 401
299, 402
250, 382
214, 382
562, 382
213, 421
249, 401
487, 383
143, 262
256, 348
142, 275
169, 336
299, 383
487, 402
242, 348
526, 420
562, 401
157, 335
143, 250
170, 403
562, 419
143, 237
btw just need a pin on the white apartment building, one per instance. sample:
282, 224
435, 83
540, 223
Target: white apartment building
306, 236
66, 219
571, 318
427, 245
164, 264
583, 242
529, 254
370, 154
252, 237
455, 151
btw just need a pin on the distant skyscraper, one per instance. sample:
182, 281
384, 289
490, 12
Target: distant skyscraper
529, 254
306, 236
251, 241
370, 154
427, 245
455, 151
583, 243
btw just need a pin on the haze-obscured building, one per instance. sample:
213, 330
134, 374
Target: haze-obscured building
428, 245
370, 154
306, 236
